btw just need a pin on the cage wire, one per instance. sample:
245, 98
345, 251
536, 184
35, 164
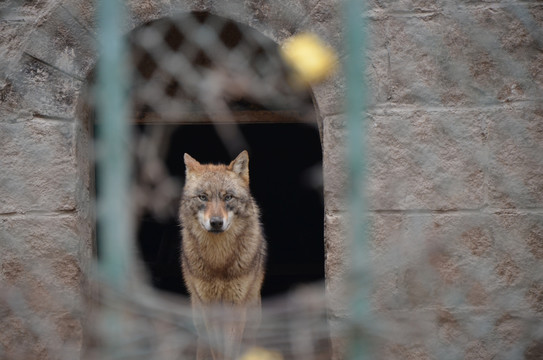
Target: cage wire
199, 68
194, 68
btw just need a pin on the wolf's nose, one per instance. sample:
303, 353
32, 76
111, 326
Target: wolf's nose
216, 223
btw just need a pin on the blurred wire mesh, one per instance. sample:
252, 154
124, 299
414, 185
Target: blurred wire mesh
202, 69
432, 295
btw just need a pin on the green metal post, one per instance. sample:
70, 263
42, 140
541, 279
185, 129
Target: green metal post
360, 282
113, 163
112, 146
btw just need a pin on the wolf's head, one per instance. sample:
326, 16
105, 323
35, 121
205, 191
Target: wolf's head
216, 194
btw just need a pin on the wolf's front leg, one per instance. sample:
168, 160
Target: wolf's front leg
234, 327
203, 351
207, 343
212, 339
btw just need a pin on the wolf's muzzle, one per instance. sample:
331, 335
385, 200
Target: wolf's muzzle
216, 223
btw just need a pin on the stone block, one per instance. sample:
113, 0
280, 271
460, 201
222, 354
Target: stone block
411, 268
425, 160
403, 6
467, 282
279, 19
28, 10
411, 65
330, 94
9, 100
462, 261
449, 334
511, 40
518, 238
38, 166
326, 21
44, 90
41, 279
335, 170
322, 12
338, 289
63, 43
14, 37
515, 141
433, 160
337, 262
453, 57
140, 12
84, 12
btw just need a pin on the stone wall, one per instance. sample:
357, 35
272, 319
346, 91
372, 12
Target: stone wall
455, 183
454, 144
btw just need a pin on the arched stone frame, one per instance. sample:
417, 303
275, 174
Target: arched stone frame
58, 55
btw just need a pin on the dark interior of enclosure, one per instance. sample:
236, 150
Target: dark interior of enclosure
285, 171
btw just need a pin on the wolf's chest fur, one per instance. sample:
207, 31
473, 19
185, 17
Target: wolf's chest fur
223, 249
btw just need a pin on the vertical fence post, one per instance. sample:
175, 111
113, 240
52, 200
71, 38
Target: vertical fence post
112, 146
359, 282
113, 164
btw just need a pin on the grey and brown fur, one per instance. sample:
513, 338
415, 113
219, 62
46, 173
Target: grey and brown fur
223, 252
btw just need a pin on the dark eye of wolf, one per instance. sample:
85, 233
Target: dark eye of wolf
202, 197
227, 197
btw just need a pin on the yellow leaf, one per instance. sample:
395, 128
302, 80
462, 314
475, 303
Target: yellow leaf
310, 58
257, 353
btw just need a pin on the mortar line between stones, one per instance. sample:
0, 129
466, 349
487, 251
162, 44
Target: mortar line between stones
386, 108
481, 211
50, 117
484, 211
391, 107
307, 17
421, 12
44, 213
487, 158
53, 67
428, 211
83, 26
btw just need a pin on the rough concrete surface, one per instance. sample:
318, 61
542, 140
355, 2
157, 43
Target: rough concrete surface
38, 166
41, 287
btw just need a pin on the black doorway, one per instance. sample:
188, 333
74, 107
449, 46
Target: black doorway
286, 181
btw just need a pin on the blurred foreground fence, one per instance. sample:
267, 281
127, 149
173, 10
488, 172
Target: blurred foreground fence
450, 197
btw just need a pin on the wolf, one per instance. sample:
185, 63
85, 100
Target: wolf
223, 253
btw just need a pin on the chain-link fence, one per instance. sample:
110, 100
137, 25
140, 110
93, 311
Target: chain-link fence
440, 100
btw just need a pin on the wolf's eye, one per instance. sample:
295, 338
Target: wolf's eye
228, 197
202, 197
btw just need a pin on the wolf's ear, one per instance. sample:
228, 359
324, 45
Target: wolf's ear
240, 165
190, 163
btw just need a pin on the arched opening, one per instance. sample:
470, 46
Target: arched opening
175, 110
